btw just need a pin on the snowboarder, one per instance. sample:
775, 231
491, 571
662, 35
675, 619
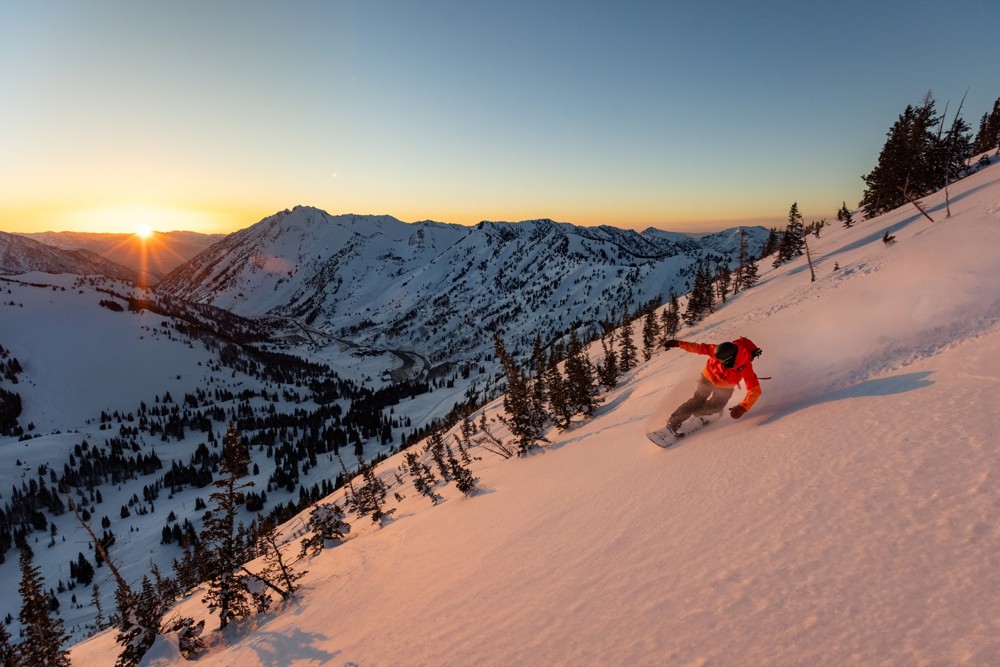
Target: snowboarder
729, 363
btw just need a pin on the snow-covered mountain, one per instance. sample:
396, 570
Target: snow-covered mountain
156, 256
435, 288
19, 254
849, 519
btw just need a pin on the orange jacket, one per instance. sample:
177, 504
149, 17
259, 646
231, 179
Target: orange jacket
727, 378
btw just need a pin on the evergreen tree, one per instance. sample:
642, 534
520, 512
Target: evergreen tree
525, 417
228, 590
792, 242
723, 280
607, 371
369, 498
435, 447
43, 633
464, 479
558, 401
84, 570
956, 149
8, 652
139, 621
629, 355
650, 334
749, 276
581, 390
278, 573
743, 259
906, 163
672, 317
95, 599
844, 216
988, 136
328, 527
423, 479
701, 300
771, 244
537, 384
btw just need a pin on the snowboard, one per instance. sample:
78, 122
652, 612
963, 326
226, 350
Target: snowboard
664, 437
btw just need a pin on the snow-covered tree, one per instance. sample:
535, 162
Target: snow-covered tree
328, 527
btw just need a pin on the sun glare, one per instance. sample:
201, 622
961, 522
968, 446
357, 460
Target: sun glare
143, 231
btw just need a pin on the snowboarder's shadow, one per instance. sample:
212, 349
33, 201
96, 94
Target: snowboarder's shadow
897, 384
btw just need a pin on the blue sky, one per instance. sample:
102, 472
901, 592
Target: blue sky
679, 115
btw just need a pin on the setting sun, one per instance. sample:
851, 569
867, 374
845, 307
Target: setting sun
143, 231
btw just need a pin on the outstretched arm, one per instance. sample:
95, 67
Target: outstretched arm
695, 348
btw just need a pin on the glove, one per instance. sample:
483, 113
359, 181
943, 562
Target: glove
671, 343
737, 411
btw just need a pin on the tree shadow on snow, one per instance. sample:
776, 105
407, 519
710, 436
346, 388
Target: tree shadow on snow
897, 384
276, 649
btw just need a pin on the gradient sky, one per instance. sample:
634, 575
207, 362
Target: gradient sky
209, 115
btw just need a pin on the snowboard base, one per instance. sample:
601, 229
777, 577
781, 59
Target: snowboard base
664, 437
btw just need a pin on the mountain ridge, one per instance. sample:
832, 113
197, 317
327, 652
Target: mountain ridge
386, 283
19, 254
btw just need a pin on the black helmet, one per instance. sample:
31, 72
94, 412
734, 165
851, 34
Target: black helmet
726, 353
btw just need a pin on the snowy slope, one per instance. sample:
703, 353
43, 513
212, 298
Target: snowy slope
849, 519
20, 254
158, 255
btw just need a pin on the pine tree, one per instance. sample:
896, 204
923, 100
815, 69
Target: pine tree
988, 136
139, 621
701, 300
8, 652
423, 479
771, 243
607, 371
723, 280
559, 410
792, 242
750, 273
672, 317
435, 447
906, 161
278, 573
650, 334
844, 216
328, 527
537, 384
228, 590
629, 355
95, 599
84, 570
43, 633
581, 390
742, 258
525, 417
369, 498
464, 479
